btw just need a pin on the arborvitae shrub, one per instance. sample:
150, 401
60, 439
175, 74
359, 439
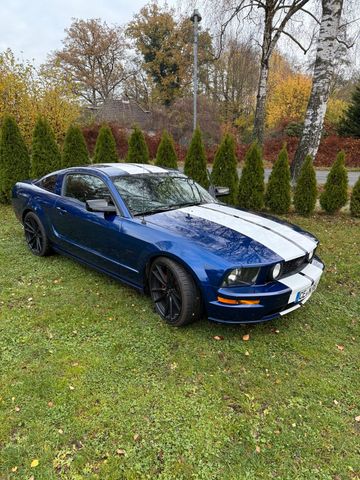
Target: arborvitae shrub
74, 150
335, 192
278, 192
305, 190
138, 151
350, 124
105, 148
251, 185
166, 155
195, 160
14, 158
45, 153
355, 200
224, 172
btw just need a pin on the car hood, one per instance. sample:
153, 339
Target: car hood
236, 235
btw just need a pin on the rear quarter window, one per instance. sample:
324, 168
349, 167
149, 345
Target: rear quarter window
48, 183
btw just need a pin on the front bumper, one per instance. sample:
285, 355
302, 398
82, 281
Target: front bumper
276, 299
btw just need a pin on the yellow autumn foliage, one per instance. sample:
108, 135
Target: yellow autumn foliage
288, 99
27, 93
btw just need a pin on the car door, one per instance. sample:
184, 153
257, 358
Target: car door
93, 237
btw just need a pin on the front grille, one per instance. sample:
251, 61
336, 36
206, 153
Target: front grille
293, 266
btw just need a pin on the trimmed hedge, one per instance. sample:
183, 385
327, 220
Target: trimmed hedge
355, 200
305, 190
45, 152
224, 172
166, 155
74, 149
105, 148
195, 160
14, 158
278, 192
138, 151
335, 192
251, 185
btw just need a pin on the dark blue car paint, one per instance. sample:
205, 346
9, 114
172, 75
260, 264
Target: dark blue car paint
124, 246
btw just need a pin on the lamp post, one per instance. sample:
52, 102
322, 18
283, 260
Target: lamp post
196, 19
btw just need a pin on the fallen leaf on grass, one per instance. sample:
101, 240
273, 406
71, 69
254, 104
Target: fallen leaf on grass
357, 419
137, 437
14, 469
340, 347
34, 463
257, 449
71, 387
121, 452
218, 337
246, 337
247, 353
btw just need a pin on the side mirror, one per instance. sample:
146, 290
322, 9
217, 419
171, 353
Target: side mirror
100, 205
219, 191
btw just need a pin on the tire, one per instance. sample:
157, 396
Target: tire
35, 235
174, 293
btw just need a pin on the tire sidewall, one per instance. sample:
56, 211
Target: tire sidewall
45, 245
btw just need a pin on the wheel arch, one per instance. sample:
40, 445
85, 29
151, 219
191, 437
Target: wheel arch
176, 259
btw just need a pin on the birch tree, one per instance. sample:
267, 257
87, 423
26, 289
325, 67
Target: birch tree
323, 72
275, 18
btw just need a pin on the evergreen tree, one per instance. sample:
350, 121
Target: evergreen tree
355, 200
74, 150
278, 192
14, 158
251, 185
166, 155
45, 153
224, 172
105, 148
195, 160
305, 190
350, 123
335, 193
138, 151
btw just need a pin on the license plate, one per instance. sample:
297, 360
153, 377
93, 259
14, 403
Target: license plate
304, 294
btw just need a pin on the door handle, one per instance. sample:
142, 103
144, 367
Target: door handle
61, 210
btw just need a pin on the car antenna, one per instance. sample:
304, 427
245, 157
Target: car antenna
143, 221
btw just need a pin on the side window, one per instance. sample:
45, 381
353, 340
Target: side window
85, 187
48, 183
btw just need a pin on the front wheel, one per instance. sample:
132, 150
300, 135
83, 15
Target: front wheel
35, 235
174, 293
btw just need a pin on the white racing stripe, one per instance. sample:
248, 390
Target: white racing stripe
136, 168
299, 282
281, 246
302, 240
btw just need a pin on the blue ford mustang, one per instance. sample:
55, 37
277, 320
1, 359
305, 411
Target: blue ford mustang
162, 233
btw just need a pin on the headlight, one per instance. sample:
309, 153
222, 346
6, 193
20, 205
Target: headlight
276, 270
241, 276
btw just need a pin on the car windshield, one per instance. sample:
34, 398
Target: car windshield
151, 193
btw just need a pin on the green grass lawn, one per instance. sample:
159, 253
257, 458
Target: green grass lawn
94, 385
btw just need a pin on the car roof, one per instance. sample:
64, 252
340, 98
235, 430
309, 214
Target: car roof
116, 169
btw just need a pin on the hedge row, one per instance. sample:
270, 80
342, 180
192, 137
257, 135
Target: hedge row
247, 192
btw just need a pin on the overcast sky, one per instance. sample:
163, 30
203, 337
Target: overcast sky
34, 28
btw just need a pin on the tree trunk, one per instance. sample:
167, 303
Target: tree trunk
260, 112
323, 71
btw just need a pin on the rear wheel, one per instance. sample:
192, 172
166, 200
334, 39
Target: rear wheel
174, 293
35, 235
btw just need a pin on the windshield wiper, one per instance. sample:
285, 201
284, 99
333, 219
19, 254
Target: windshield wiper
168, 208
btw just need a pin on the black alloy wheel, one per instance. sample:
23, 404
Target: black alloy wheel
35, 235
174, 293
